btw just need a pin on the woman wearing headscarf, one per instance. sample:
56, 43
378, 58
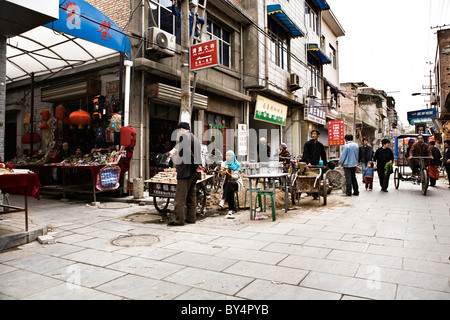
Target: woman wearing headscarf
232, 170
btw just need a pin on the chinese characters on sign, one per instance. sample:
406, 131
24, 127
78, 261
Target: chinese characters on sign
336, 133
242, 139
204, 55
105, 27
424, 115
316, 112
270, 111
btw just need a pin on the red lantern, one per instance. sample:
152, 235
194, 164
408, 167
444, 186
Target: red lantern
45, 114
60, 112
43, 126
80, 118
26, 138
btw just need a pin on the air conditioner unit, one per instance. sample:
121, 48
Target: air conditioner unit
312, 92
160, 41
294, 82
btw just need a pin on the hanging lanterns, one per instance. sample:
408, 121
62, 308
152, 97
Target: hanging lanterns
80, 118
45, 114
26, 138
60, 112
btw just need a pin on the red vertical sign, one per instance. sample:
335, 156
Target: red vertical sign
336, 133
204, 55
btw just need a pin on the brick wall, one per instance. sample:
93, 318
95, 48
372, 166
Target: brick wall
444, 64
117, 10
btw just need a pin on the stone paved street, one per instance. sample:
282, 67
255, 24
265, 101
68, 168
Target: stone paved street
393, 245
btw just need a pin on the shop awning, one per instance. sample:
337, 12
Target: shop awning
334, 89
315, 50
277, 10
80, 36
323, 5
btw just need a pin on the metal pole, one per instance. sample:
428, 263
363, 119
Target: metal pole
185, 115
32, 116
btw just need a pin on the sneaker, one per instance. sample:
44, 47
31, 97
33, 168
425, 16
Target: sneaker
229, 215
222, 203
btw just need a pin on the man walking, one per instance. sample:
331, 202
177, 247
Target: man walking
382, 156
435, 163
188, 165
365, 155
447, 159
349, 160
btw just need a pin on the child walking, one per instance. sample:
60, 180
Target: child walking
368, 174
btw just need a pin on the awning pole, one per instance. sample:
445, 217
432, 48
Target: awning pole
128, 64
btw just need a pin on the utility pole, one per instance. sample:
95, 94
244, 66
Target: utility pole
185, 112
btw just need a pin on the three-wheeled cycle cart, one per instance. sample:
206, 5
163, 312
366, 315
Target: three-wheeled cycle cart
402, 171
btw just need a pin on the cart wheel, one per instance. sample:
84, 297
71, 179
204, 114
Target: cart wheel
293, 193
161, 204
201, 199
396, 178
335, 178
325, 190
424, 181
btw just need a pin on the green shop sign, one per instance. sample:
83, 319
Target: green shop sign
270, 111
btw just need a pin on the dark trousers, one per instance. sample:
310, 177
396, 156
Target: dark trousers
447, 168
350, 180
369, 182
185, 200
228, 193
384, 178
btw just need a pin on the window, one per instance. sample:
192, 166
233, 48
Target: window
215, 31
161, 16
313, 72
333, 56
311, 18
279, 44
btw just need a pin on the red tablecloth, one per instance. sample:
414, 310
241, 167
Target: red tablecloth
15, 183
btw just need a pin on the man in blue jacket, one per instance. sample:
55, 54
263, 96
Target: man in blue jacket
349, 160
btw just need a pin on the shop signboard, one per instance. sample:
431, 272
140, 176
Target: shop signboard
447, 126
270, 111
421, 116
242, 139
336, 133
204, 55
82, 20
315, 112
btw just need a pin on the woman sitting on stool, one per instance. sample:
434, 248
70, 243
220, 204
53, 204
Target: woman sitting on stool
231, 169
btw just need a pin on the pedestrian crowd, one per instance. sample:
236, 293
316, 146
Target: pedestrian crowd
188, 162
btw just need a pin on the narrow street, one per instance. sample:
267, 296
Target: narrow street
386, 246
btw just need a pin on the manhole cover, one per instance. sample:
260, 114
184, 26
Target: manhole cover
114, 205
144, 217
137, 240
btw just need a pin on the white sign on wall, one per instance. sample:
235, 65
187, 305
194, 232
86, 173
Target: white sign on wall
242, 139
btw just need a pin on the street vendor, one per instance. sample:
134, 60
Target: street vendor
231, 170
64, 153
313, 150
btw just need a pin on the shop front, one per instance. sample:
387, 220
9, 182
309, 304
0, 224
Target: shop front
314, 117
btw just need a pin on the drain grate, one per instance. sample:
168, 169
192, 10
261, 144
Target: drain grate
135, 240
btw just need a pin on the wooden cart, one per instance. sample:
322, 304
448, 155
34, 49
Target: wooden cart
309, 184
162, 192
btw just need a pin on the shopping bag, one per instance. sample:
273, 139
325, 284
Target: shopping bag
433, 172
108, 178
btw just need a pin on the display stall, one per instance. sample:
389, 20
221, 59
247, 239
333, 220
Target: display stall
19, 181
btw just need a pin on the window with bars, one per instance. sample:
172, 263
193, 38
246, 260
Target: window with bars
216, 31
312, 18
278, 44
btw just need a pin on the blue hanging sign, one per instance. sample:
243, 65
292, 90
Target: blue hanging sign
82, 20
421, 115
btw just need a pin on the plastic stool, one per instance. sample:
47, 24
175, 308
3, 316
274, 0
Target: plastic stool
272, 198
245, 199
236, 201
